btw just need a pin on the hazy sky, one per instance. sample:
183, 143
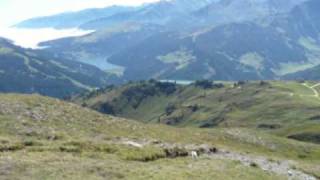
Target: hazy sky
13, 11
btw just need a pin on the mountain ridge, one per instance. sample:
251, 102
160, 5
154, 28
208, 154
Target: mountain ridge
183, 42
29, 71
71, 19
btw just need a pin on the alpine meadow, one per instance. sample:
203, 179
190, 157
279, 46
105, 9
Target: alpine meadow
160, 90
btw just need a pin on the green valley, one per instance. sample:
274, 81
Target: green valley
283, 108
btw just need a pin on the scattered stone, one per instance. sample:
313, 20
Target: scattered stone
133, 144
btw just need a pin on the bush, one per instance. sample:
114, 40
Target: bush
307, 137
269, 126
31, 143
205, 84
194, 108
107, 108
253, 164
166, 87
176, 152
218, 85
11, 147
170, 109
136, 94
70, 149
142, 154
263, 83
239, 83
75, 146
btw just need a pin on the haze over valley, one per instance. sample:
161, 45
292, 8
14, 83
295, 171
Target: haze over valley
30, 38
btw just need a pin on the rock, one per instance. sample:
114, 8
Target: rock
156, 142
176, 152
134, 144
213, 150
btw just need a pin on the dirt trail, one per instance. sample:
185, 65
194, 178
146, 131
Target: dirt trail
316, 93
284, 167
316, 85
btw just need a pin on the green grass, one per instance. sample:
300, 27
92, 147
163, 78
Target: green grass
253, 60
44, 138
142, 154
180, 59
298, 89
4, 50
285, 105
99, 166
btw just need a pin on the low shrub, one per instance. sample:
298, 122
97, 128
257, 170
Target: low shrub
141, 154
205, 84
253, 164
11, 147
176, 152
31, 143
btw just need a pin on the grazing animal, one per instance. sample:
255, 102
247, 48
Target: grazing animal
194, 154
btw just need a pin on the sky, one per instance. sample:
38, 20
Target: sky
13, 11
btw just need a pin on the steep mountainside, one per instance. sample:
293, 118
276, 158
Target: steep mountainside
205, 12
302, 21
47, 138
283, 108
233, 11
282, 40
159, 13
233, 51
310, 74
29, 71
96, 47
230, 52
155, 13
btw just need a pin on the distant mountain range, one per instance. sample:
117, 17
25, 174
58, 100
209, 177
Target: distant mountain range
198, 39
72, 19
30, 71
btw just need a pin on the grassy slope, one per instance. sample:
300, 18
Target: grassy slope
29, 71
285, 108
44, 138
